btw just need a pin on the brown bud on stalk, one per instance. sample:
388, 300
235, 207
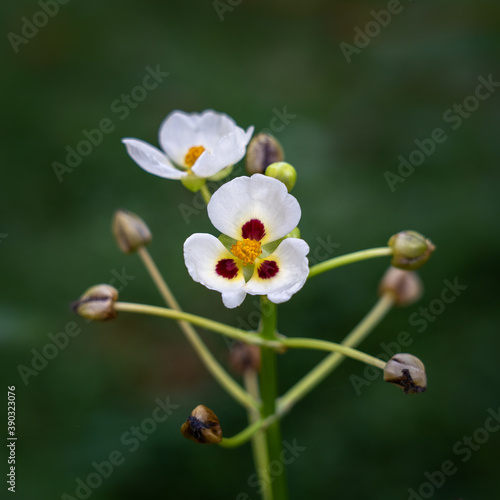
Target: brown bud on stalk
407, 372
263, 150
202, 426
410, 249
404, 286
244, 357
97, 303
130, 231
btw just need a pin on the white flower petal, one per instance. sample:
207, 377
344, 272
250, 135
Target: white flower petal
178, 133
151, 159
202, 253
229, 150
257, 197
290, 257
233, 299
213, 127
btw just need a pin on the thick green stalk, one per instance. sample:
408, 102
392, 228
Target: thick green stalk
269, 393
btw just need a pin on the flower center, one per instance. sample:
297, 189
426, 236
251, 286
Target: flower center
192, 155
247, 250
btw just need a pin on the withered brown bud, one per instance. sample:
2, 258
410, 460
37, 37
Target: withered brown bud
244, 357
407, 372
404, 286
410, 249
202, 426
130, 231
263, 150
97, 303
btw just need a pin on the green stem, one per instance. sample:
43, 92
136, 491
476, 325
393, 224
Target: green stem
248, 432
205, 192
259, 443
323, 369
214, 326
348, 259
269, 393
213, 366
325, 345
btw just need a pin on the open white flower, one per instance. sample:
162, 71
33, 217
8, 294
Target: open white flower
254, 213
201, 144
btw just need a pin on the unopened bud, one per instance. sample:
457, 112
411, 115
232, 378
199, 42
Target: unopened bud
407, 372
193, 182
97, 303
202, 426
244, 357
410, 250
294, 233
263, 150
404, 286
284, 172
130, 231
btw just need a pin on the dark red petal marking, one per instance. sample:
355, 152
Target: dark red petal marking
268, 269
226, 268
253, 230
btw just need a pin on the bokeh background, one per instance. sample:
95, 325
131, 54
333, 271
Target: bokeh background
351, 121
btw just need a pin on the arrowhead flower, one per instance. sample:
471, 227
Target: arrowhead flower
198, 145
252, 256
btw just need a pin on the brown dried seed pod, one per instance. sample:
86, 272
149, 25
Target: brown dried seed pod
130, 231
97, 303
263, 150
405, 286
407, 372
244, 357
202, 426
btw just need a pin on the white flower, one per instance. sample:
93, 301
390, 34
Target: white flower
201, 144
254, 212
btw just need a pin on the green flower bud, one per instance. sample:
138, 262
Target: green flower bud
130, 231
202, 426
97, 303
263, 150
407, 372
284, 172
294, 233
244, 358
410, 250
404, 286
193, 183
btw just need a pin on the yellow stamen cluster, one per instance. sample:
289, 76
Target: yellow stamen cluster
247, 250
192, 155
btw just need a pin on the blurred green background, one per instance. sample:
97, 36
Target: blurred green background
350, 123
